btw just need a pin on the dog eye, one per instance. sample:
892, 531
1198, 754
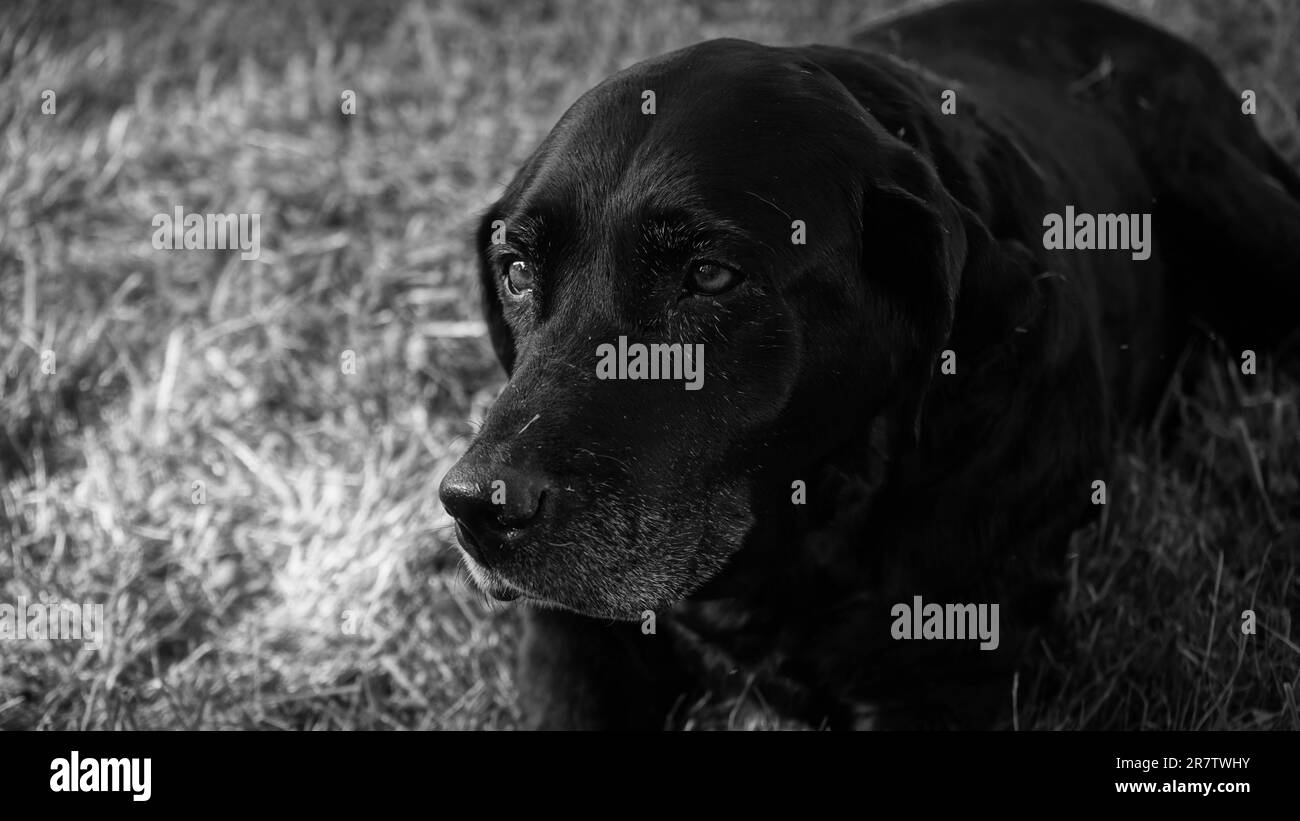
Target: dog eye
711, 278
520, 277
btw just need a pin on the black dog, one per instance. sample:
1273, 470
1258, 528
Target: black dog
916, 353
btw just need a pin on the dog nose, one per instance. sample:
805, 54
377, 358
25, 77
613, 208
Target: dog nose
491, 504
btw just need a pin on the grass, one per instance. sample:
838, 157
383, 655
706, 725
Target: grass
321, 512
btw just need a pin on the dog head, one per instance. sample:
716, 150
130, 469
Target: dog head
715, 270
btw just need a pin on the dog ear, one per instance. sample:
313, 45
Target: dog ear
914, 249
503, 340
922, 249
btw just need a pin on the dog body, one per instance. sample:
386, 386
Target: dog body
933, 275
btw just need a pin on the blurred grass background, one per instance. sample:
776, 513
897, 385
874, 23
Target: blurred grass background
321, 510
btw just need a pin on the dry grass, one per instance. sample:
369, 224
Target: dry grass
320, 486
